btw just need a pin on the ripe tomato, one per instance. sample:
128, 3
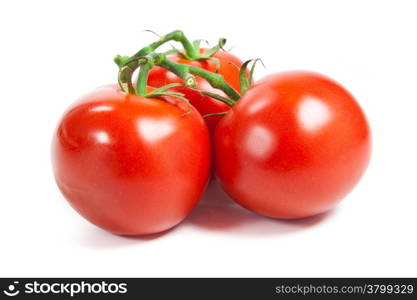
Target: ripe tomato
293, 146
129, 164
204, 104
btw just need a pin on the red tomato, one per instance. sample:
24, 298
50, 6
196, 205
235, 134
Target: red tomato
131, 165
204, 104
293, 146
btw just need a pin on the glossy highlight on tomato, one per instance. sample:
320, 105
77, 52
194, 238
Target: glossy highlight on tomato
293, 146
229, 69
129, 164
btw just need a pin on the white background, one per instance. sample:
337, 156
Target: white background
52, 52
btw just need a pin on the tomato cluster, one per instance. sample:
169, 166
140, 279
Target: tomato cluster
136, 160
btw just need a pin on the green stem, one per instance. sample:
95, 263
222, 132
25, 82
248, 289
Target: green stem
183, 71
191, 52
176, 35
125, 77
141, 84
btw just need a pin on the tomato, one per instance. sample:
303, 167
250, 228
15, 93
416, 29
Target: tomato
131, 165
293, 146
204, 104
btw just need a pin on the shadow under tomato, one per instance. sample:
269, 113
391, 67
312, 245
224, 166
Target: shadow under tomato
215, 212
218, 212
97, 238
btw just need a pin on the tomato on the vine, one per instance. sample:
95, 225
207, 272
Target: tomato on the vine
293, 146
130, 164
228, 67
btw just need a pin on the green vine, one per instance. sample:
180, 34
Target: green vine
146, 58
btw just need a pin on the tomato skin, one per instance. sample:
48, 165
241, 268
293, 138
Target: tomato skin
293, 146
204, 104
129, 164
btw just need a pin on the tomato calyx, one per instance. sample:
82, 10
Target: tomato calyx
126, 70
163, 91
226, 100
246, 79
208, 54
215, 114
144, 65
